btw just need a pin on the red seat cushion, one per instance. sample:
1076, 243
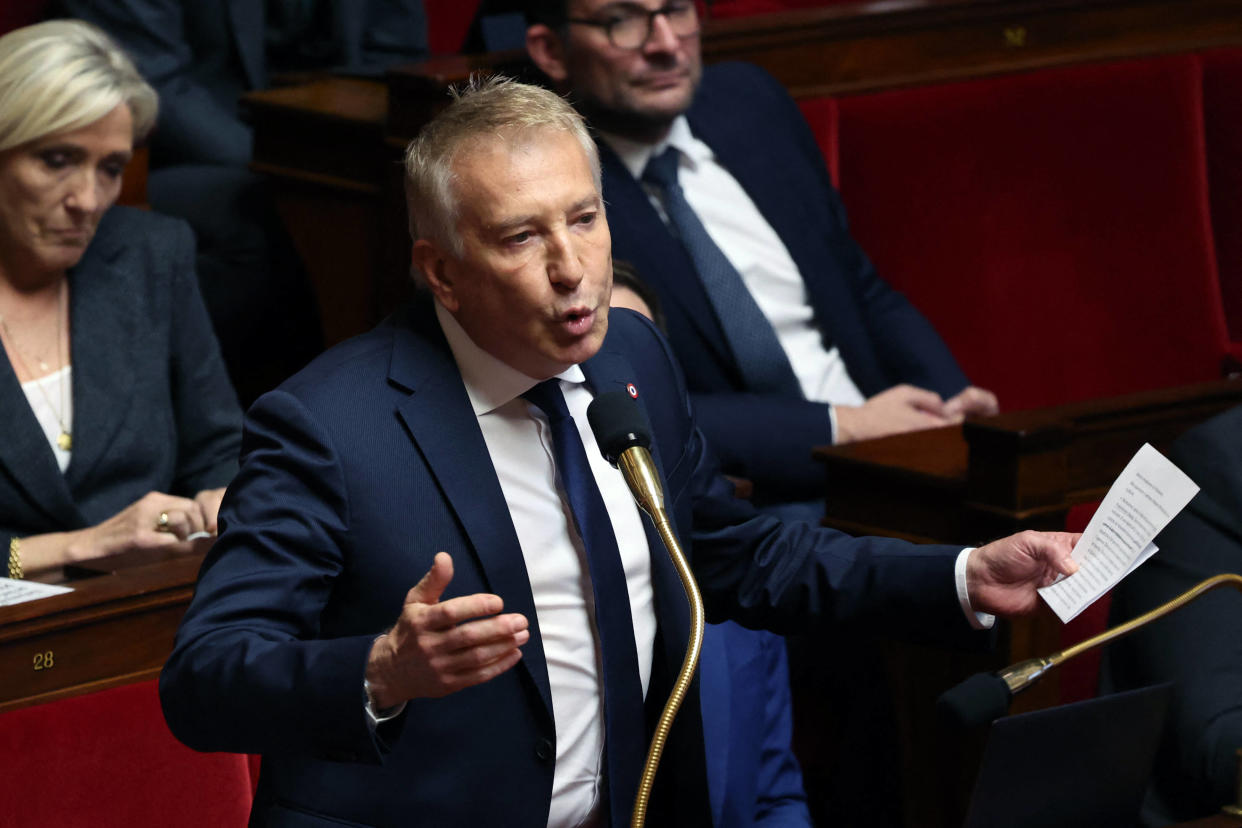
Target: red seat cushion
1054, 226
107, 759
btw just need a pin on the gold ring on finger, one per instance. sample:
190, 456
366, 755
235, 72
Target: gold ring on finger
161, 523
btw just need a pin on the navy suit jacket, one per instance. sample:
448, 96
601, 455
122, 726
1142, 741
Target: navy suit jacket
354, 474
753, 778
760, 137
1198, 647
152, 404
201, 55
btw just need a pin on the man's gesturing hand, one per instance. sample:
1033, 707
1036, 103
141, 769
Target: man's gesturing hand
1002, 577
436, 648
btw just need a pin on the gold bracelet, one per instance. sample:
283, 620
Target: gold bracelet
15, 559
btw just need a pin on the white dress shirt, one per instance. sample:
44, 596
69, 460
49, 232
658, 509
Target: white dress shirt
757, 252
519, 441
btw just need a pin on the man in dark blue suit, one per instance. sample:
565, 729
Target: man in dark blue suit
844, 357
412, 611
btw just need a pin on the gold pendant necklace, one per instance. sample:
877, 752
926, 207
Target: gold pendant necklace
65, 438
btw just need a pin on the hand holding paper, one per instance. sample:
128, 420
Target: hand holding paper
1147, 494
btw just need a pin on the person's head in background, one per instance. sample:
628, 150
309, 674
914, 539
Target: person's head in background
630, 291
72, 106
631, 67
508, 226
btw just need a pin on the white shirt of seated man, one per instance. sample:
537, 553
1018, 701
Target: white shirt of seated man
633, 68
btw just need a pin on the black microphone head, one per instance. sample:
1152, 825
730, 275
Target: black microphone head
618, 423
977, 700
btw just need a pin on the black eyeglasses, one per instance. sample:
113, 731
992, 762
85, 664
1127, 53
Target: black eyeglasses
629, 27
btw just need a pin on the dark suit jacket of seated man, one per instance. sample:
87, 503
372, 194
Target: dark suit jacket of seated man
1198, 646
377, 466
809, 276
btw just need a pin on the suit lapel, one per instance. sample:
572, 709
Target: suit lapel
683, 780
609, 370
104, 339
439, 418
767, 180
27, 458
247, 24
660, 258
347, 25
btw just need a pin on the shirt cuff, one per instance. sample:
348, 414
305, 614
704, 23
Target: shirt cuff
377, 717
832, 422
977, 620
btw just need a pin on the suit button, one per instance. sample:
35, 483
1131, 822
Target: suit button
544, 751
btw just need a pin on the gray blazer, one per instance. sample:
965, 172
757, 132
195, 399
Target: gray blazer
152, 405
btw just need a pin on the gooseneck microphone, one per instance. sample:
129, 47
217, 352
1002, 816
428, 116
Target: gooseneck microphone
624, 437
986, 696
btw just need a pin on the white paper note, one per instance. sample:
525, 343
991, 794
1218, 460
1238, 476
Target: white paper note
1147, 494
15, 592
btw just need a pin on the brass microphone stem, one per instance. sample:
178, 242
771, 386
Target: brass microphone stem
640, 476
1151, 615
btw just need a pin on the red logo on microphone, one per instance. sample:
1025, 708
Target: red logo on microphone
629, 386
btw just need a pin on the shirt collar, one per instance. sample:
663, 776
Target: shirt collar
635, 154
490, 382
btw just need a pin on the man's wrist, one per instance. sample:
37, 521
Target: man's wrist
375, 713
378, 693
978, 620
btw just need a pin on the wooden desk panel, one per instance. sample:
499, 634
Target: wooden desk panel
114, 628
1020, 470
867, 47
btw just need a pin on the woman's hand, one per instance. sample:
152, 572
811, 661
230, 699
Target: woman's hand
156, 521
209, 500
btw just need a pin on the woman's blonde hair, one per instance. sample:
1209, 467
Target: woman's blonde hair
62, 75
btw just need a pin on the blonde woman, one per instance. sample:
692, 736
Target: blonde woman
120, 426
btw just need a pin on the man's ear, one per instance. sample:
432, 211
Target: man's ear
547, 50
430, 261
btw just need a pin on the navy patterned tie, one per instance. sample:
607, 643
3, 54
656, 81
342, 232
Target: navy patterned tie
624, 724
760, 357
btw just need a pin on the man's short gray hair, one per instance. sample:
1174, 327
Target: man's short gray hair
63, 75
486, 108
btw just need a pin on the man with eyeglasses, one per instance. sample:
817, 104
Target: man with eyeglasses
718, 194
788, 337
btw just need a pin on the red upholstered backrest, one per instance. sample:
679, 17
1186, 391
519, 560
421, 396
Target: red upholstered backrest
1054, 226
1222, 117
448, 21
821, 115
107, 760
